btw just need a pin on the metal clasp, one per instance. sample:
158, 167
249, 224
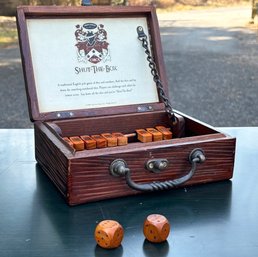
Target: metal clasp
144, 108
64, 114
156, 165
141, 34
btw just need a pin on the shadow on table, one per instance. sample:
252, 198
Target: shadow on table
184, 208
154, 250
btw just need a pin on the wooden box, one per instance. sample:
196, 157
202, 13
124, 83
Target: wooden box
86, 73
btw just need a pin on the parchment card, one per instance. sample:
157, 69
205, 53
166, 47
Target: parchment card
89, 63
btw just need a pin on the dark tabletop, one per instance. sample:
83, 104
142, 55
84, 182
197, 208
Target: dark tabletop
212, 220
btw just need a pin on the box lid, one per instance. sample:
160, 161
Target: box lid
88, 61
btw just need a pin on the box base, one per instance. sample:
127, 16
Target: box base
85, 176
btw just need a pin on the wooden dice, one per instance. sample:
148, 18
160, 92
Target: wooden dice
156, 228
109, 234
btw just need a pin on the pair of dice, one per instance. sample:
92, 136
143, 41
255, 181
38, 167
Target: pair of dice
109, 233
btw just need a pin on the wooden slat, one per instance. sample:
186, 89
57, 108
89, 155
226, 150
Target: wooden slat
91, 180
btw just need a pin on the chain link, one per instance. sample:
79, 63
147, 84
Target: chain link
156, 78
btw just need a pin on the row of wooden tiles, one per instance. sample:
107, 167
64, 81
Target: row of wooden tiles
83, 142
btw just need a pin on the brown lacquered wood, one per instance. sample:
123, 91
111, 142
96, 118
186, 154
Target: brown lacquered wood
84, 176
131, 147
125, 124
128, 123
54, 127
52, 155
27, 65
68, 141
100, 184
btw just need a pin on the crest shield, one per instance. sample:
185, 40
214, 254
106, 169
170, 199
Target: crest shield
92, 45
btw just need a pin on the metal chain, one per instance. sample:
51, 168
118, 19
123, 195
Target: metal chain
156, 78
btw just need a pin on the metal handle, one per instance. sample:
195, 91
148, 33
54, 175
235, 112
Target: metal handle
119, 168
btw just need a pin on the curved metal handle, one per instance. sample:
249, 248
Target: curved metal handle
119, 168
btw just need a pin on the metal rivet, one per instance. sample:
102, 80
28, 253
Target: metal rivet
164, 164
151, 165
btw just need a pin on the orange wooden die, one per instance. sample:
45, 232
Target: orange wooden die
89, 142
111, 140
78, 143
121, 139
167, 134
156, 135
100, 141
67, 140
144, 136
156, 228
109, 234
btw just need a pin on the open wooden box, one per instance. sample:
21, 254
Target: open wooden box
74, 91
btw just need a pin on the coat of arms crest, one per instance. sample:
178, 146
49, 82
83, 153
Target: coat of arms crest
92, 45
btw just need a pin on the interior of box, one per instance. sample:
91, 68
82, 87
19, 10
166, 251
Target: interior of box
127, 124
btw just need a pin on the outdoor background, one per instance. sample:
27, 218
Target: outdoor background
210, 51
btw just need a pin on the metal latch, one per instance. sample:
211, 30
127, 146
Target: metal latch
63, 115
156, 165
144, 108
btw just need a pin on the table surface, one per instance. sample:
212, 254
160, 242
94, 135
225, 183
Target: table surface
216, 219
